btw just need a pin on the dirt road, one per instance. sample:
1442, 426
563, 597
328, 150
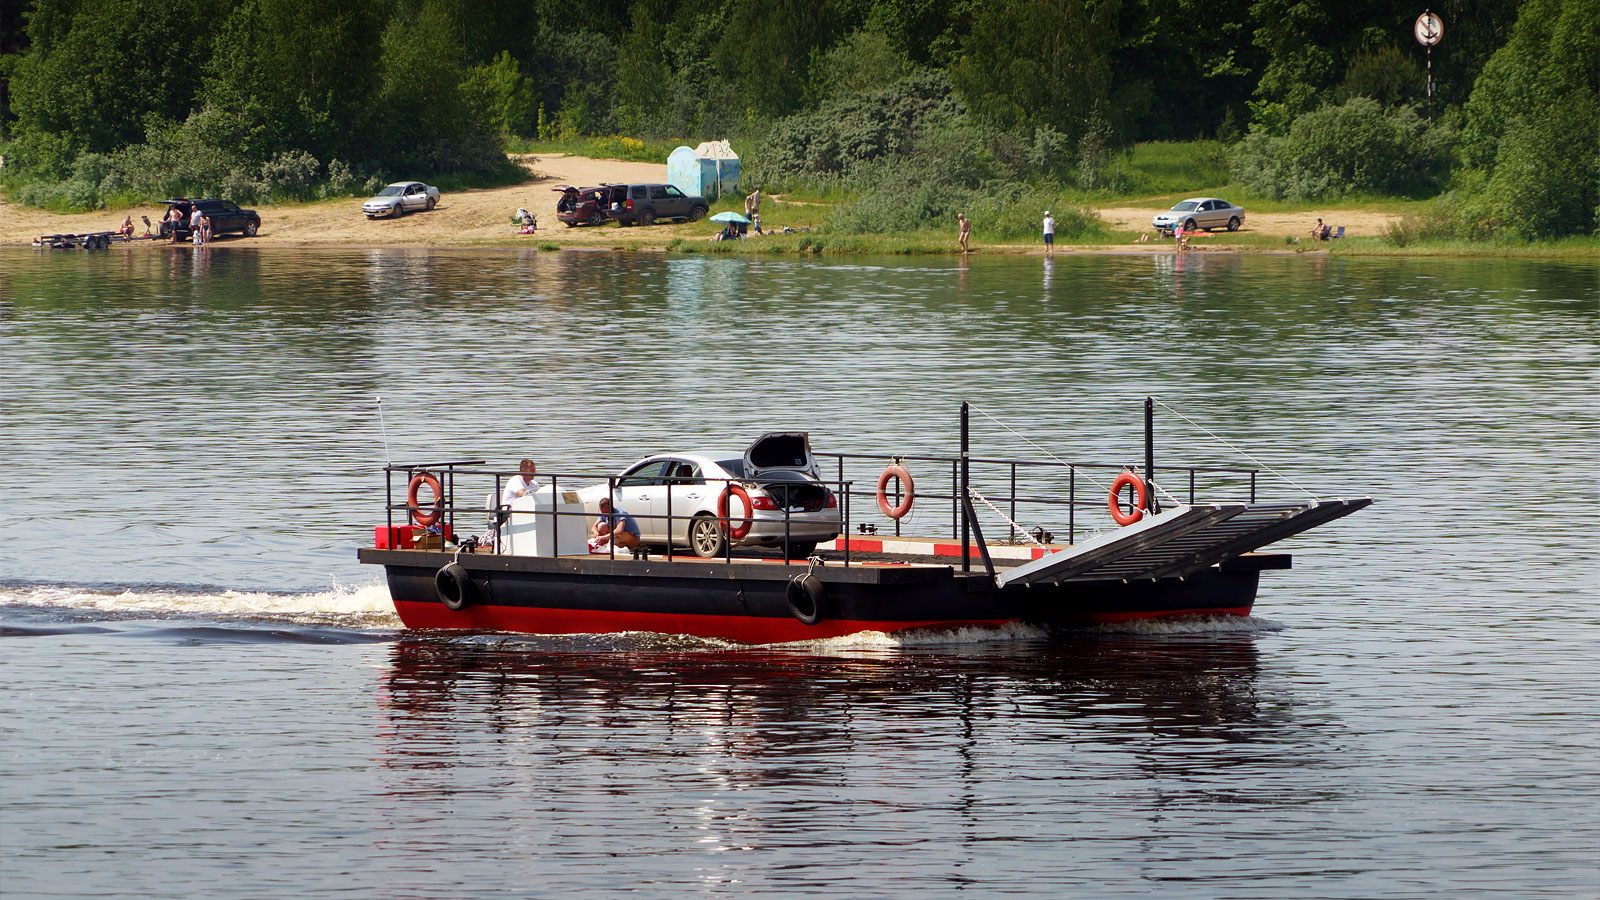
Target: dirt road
483, 217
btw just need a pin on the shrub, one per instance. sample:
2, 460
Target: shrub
240, 187
845, 133
342, 181
289, 175
1338, 150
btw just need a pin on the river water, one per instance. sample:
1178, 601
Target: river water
208, 697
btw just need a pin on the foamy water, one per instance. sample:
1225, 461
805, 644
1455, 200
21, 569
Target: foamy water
365, 606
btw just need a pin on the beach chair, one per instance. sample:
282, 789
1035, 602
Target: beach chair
1339, 234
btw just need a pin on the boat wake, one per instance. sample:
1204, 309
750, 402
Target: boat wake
1187, 625
362, 606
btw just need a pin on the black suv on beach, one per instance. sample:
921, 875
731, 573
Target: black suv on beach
644, 204
225, 216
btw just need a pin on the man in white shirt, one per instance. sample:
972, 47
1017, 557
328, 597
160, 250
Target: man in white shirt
1049, 234
519, 485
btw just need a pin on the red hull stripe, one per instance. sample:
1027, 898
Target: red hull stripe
748, 629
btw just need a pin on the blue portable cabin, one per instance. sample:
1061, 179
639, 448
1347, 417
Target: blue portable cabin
687, 172
726, 161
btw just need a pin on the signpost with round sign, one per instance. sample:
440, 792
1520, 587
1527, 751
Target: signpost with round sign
1429, 29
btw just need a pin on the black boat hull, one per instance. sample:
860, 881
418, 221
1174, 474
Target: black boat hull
756, 601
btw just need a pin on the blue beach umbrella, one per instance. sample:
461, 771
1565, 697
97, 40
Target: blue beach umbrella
730, 217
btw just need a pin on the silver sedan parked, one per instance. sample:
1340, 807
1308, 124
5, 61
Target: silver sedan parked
1200, 212
400, 198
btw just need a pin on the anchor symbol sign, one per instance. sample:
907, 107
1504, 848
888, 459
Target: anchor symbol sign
1429, 29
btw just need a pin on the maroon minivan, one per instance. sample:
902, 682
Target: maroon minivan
580, 206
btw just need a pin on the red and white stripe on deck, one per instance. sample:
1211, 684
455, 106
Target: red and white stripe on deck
937, 547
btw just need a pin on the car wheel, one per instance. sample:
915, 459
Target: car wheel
597, 219
432, 203
399, 210
705, 536
696, 213
647, 217
1189, 225
1233, 224
250, 229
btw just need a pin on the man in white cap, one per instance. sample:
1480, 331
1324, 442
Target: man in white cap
1049, 234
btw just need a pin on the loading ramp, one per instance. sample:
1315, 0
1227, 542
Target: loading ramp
1179, 542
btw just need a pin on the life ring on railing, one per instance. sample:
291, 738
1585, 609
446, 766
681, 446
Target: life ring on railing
895, 470
738, 490
1141, 498
417, 515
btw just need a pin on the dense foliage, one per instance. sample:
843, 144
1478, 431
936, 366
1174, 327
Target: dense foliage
909, 108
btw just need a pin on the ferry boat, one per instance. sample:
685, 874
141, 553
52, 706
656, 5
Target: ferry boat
733, 548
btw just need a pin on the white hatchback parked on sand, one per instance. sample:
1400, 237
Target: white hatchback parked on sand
777, 474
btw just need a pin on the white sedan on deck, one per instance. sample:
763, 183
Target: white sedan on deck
400, 198
777, 474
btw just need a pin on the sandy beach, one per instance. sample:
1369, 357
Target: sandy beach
476, 218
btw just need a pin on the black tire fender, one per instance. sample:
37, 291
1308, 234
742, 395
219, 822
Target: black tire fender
453, 586
807, 598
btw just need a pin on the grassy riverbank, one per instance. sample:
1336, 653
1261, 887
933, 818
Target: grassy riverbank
479, 215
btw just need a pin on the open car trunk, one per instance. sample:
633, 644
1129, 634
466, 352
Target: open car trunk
781, 462
787, 450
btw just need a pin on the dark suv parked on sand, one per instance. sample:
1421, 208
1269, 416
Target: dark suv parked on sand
224, 214
646, 203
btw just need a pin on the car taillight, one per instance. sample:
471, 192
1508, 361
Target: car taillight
762, 501
832, 501
630, 203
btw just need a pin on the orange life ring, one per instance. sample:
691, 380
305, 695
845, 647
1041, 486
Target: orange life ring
895, 470
1127, 479
417, 515
722, 510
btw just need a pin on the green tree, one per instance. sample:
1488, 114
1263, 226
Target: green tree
1181, 68
502, 96
1037, 63
1390, 75
304, 73
420, 96
1533, 121
767, 49
644, 84
99, 71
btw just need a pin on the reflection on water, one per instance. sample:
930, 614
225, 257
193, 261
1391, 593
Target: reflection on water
1171, 688
803, 764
